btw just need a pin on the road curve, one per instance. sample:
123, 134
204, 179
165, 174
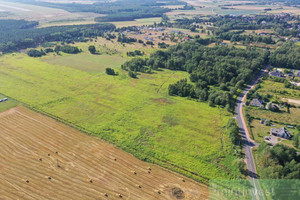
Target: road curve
247, 141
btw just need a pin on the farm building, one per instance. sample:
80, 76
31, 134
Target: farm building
282, 132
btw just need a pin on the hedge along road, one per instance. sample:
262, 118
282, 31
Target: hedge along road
247, 141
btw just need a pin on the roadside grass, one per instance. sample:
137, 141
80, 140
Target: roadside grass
86, 61
5, 105
136, 115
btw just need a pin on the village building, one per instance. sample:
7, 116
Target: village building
257, 102
282, 132
276, 74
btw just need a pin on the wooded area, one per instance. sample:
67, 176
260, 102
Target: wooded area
20, 34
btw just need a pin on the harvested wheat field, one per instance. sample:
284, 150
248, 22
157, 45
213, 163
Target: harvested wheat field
44, 159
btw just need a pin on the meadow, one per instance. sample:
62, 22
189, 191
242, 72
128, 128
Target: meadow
136, 115
86, 61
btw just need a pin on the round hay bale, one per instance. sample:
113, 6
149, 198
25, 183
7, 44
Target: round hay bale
177, 193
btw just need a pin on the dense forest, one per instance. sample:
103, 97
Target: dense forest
20, 34
286, 56
119, 10
216, 73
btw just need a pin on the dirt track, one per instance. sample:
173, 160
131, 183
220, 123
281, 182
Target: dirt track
44, 159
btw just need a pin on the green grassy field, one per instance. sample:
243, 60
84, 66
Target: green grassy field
86, 61
10, 103
136, 115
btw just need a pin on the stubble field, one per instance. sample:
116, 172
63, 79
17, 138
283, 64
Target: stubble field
44, 159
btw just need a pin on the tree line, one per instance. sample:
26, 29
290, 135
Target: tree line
23, 34
216, 73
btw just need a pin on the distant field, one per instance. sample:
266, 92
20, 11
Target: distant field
137, 22
44, 159
204, 7
137, 115
46, 16
69, 1
86, 61
173, 6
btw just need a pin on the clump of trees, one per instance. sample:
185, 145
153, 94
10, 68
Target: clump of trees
110, 71
92, 49
132, 74
36, 53
124, 39
233, 132
182, 88
163, 45
67, 49
135, 53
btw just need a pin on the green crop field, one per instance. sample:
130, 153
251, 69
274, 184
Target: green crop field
136, 115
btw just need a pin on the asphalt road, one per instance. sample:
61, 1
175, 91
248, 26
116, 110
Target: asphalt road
247, 141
